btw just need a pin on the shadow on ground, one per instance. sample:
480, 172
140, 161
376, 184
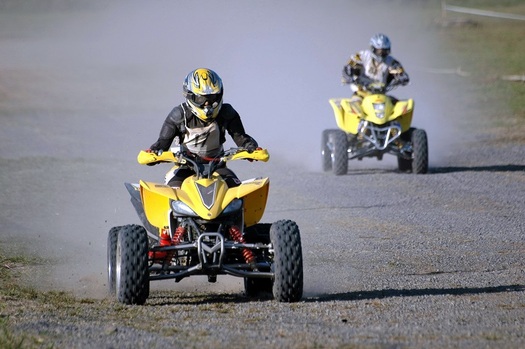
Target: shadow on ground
495, 168
176, 298
390, 293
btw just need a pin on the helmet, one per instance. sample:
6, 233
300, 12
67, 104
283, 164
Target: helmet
380, 45
203, 90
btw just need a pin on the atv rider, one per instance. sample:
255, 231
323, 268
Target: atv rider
200, 124
374, 65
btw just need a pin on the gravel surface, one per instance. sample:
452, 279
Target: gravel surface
391, 260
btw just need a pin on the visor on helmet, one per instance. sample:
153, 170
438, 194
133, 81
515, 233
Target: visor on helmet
202, 100
381, 52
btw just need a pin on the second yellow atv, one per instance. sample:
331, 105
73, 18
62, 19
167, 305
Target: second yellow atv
372, 124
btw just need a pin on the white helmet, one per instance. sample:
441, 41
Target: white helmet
380, 45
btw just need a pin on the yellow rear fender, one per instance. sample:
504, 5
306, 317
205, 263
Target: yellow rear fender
156, 202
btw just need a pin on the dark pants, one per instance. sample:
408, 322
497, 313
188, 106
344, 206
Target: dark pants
182, 173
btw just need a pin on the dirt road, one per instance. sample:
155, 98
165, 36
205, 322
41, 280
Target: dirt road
391, 260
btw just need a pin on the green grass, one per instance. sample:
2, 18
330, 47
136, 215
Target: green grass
8, 340
489, 49
11, 291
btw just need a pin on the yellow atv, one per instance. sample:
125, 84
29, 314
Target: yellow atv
372, 124
204, 228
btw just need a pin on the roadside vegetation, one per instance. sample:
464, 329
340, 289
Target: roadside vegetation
13, 295
491, 50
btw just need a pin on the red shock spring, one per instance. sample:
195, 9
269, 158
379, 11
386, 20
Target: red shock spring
175, 240
177, 237
164, 240
236, 234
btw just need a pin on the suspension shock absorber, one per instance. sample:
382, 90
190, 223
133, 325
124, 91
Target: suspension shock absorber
175, 240
236, 234
177, 237
166, 240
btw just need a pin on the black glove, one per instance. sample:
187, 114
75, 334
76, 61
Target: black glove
346, 81
250, 147
364, 81
160, 145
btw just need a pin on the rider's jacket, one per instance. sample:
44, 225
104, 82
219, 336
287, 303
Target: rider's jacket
362, 68
201, 138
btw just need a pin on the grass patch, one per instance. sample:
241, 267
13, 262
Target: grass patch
11, 292
8, 340
491, 49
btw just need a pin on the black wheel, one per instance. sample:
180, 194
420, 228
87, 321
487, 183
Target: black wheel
419, 151
326, 153
112, 256
288, 261
132, 277
404, 165
254, 287
339, 143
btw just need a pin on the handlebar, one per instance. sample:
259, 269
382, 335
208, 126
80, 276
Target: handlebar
203, 168
153, 158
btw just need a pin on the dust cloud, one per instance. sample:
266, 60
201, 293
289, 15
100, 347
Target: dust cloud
102, 79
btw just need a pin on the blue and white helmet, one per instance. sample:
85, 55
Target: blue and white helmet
380, 45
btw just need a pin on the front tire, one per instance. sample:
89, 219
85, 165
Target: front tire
339, 142
420, 151
132, 276
288, 261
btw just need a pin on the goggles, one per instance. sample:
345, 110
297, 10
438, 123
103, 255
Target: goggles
381, 52
210, 100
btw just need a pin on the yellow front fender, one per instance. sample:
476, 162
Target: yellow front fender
156, 202
254, 192
347, 113
403, 111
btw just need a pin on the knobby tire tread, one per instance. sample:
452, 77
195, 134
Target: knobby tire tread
288, 261
339, 142
112, 258
134, 277
326, 154
420, 151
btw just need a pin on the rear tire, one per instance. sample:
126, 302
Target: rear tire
339, 142
256, 287
288, 261
420, 151
112, 256
404, 165
326, 153
132, 276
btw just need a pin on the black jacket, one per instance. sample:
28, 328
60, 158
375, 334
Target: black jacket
228, 120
